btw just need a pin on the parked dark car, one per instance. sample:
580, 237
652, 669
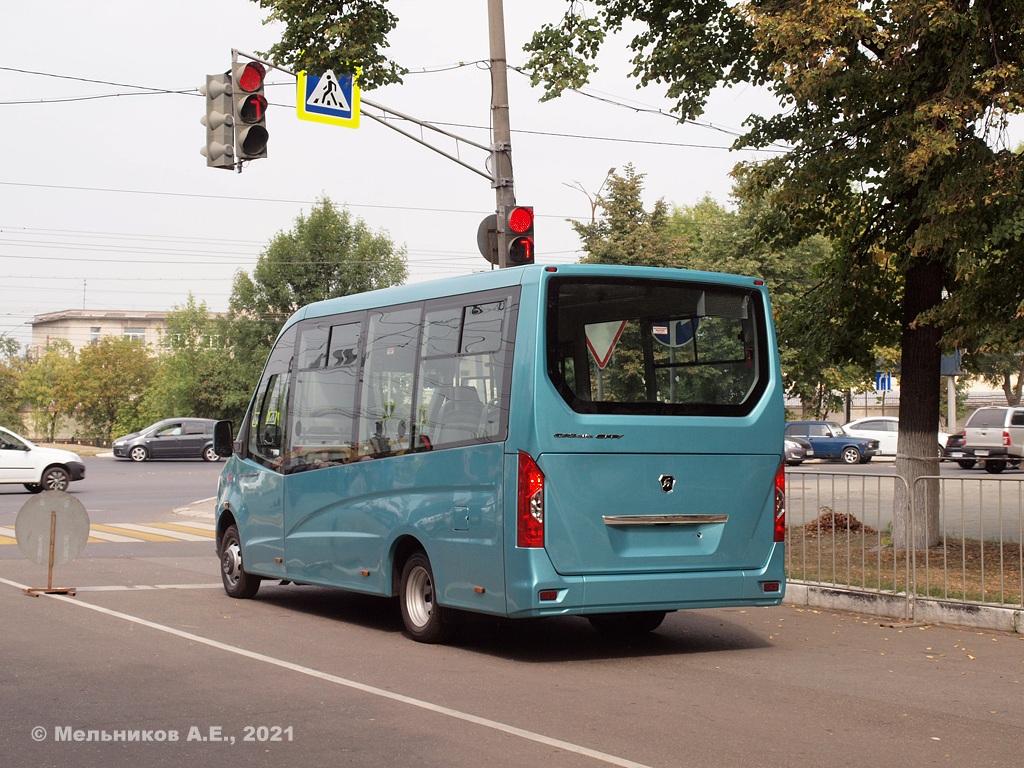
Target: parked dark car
797, 450
955, 450
830, 441
169, 439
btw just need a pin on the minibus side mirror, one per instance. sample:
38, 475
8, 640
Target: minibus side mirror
223, 444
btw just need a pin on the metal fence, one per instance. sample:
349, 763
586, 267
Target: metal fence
840, 534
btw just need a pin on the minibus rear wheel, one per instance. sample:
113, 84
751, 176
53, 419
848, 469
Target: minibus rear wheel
425, 620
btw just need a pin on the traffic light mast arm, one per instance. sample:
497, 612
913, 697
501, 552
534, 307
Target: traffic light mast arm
383, 120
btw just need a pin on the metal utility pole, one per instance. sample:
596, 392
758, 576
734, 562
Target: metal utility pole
501, 133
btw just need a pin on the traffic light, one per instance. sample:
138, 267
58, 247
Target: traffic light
249, 110
519, 233
219, 150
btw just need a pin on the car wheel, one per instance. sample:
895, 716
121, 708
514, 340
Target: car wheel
425, 620
138, 453
850, 455
55, 479
794, 463
33, 487
626, 624
967, 463
210, 455
995, 467
237, 583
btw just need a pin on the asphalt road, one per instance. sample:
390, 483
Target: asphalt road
308, 676
115, 490
151, 663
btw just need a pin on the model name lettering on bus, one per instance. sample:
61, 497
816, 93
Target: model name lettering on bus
588, 437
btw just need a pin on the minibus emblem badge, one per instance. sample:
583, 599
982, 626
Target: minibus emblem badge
668, 483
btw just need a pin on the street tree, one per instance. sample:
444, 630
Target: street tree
328, 253
627, 233
893, 116
49, 387
188, 378
11, 364
112, 377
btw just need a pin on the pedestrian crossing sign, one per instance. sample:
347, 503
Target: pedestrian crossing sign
328, 98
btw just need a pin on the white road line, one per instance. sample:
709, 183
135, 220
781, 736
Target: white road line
373, 691
132, 587
162, 532
112, 537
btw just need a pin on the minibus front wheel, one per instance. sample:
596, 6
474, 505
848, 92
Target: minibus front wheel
237, 583
424, 619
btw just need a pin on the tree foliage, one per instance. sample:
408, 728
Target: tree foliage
328, 253
628, 234
49, 386
112, 375
339, 36
11, 365
189, 378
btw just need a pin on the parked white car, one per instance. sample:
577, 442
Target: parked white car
36, 467
885, 429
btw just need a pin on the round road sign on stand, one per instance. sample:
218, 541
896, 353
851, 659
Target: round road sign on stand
51, 529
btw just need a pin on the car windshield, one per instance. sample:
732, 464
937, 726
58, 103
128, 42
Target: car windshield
837, 429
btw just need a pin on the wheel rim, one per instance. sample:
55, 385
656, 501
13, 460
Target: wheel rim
138, 454
55, 481
419, 596
211, 455
231, 562
851, 456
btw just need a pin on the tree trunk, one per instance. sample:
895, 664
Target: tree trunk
917, 449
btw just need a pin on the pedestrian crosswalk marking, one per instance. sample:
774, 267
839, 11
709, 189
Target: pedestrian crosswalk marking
132, 533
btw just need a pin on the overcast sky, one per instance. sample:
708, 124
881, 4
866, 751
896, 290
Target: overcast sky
106, 203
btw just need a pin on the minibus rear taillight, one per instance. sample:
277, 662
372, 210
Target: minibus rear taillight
530, 509
780, 504
1006, 437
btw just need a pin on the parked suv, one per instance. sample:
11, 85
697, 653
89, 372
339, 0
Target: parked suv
995, 434
830, 441
169, 439
36, 467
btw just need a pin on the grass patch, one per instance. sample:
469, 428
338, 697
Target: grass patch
838, 549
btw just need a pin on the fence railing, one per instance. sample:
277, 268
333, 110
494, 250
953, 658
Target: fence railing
840, 533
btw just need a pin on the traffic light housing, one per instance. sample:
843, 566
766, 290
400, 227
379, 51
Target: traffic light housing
249, 110
519, 235
219, 149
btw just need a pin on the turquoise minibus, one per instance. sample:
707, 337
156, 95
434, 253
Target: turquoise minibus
599, 441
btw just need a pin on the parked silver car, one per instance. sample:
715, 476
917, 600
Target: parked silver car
994, 434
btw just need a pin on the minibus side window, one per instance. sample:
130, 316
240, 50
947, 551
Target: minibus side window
463, 381
322, 423
385, 409
266, 433
266, 429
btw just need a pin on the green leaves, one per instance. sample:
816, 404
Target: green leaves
338, 36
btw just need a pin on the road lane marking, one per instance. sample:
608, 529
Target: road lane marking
439, 709
133, 533
123, 529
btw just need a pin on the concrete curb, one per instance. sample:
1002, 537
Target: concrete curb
924, 610
200, 510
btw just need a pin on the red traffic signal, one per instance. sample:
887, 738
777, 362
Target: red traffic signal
250, 110
519, 226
